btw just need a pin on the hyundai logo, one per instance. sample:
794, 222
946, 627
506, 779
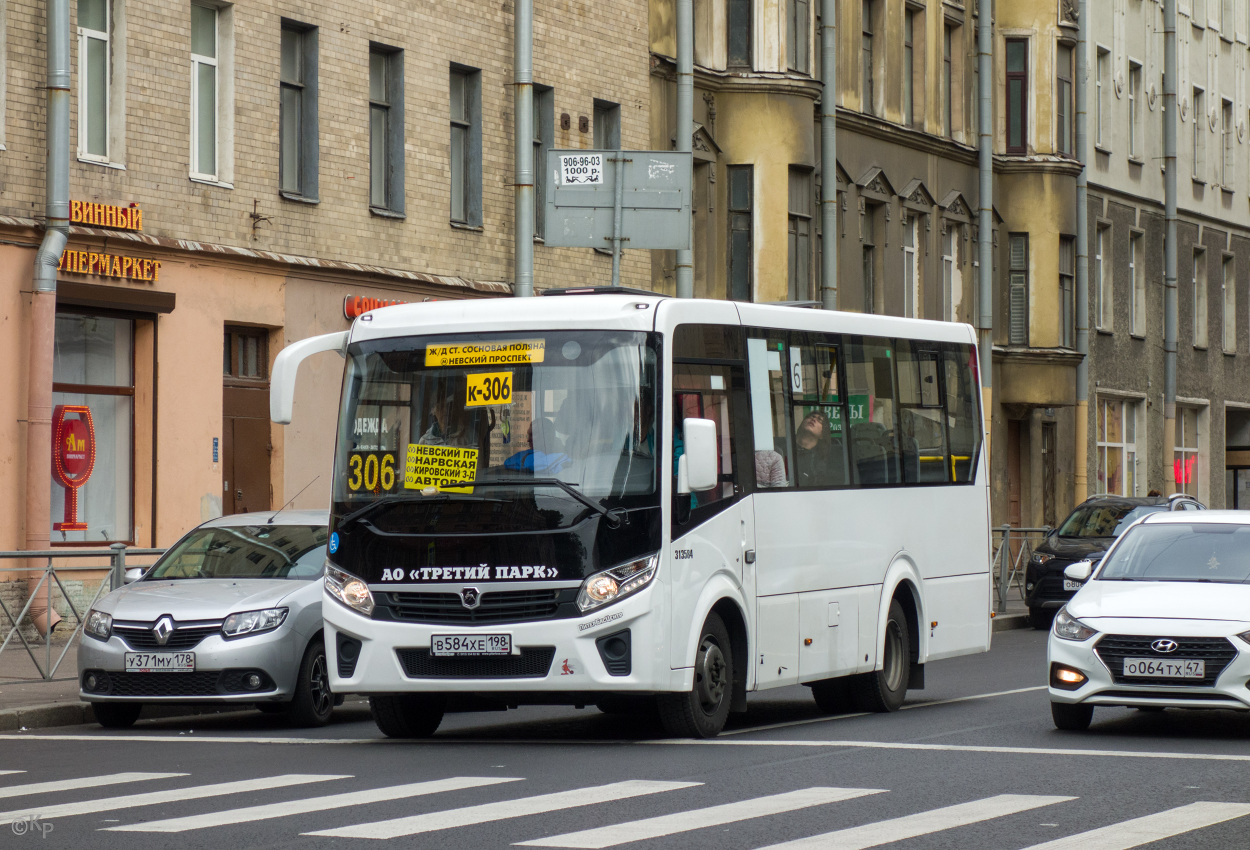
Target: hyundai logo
470, 597
163, 629
1164, 646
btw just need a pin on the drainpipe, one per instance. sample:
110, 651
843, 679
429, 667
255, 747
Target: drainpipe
829, 155
685, 127
43, 312
985, 211
1081, 459
1169, 274
523, 71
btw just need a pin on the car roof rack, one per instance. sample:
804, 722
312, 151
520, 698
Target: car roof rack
603, 290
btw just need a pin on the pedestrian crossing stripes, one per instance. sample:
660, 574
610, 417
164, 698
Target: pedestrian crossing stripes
1143, 830
86, 782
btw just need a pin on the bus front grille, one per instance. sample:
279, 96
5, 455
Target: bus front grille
505, 606
532, 663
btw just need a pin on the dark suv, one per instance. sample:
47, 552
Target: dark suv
1086, 534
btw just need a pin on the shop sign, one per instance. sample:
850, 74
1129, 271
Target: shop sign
109, 265
106, 215
355, 305
73, 457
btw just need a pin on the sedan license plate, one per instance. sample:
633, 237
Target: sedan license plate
1071, 584
1173, 668
160, 662
443, 645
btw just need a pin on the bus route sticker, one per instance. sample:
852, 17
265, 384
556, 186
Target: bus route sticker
502, 353
581, 169
438, 466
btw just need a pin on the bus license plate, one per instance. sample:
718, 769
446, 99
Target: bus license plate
470, 644
1175, 668
160, 662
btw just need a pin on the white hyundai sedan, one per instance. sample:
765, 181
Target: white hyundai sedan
1164, 622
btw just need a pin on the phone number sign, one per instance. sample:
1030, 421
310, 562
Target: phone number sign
581, 169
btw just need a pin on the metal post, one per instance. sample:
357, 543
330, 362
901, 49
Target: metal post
119, 564
1081, 459
985, 205
685, 127
829, 155
523, 66
1004, 568
1169, 279
618, 200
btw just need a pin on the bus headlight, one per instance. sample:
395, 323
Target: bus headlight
617, 583
349, 590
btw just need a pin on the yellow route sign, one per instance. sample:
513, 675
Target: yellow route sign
500, 353
485, 388
436, 466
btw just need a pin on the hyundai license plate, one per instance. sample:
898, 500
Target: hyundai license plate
1069, 584
470, 645
1173, 668
160, 662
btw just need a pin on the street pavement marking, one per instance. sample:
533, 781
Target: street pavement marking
84, 782
8, 772
504, 809
175, 795
921, 823
1144, 830
313, 804
658, 827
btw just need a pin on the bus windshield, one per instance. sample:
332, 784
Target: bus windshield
494, 417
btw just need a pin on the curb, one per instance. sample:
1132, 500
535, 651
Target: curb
34, 717
1005, 622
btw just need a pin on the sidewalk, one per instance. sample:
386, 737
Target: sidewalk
29, 702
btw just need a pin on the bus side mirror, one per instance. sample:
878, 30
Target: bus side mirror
699, 461
286, 364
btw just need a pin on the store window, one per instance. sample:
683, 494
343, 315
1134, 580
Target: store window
1188, 452
1117, 446
93, 368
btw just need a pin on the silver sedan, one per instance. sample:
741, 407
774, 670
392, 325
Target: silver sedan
231, 614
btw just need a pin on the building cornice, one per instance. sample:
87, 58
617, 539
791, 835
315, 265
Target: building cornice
877, 128
741, 82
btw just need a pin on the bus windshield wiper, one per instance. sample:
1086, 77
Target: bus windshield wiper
382, 501
612, 516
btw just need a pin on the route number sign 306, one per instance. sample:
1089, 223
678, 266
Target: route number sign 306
371, 472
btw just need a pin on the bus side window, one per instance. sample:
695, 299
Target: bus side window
703, 392
963, 421
774, 458
874, 436
923, 432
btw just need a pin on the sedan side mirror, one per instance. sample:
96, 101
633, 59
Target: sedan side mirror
1080, 571
134, 574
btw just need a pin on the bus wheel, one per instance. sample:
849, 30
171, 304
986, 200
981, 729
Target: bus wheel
702, 711
833, 696
408, 715
885, 689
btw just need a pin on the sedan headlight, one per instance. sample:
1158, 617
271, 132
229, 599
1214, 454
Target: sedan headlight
617, 583
1040, 558
253, 622
1070, 628
99, 625
349, 590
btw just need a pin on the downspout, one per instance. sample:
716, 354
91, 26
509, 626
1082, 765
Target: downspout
685, 128
985, 210
829, 155
43, 313
1169, 274
523, 72
1081, 459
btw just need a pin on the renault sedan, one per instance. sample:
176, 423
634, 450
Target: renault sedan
1164, 621
230, 615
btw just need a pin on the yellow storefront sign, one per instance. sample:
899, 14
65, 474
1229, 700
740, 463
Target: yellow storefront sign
486, 388
486, 353
438, 466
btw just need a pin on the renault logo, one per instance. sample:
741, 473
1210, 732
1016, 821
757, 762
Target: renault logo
1164, 646
163, 629
470, 597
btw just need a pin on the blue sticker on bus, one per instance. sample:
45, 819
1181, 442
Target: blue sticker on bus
334, 542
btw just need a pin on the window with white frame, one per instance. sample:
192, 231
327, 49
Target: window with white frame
466, 146
1228, 282
1063, 100
1229, 139
1199, 137
204, 91
298, 145
1018, 288
386, 129
1117, 445
1200, 298
1104, 301
94, 76
1188, 453
1067, 289
798, 26
800, 234
1134, 110
952, 282
1102, 93
1137, 274
911, 265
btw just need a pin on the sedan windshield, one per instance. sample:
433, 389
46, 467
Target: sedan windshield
1104, 520
245, 552
1201, 552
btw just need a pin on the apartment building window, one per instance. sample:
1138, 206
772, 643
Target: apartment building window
1103, 298
1187, 453
1134, 110
798, 27
386, 129
951, 240
1017, 95
800, 234
1117, 446
948, 82
1102, 93
544, 105
909, 66
869, 273
866, 59
1228, 283
607, 126
738, 26
1137, 274
1229, 139
911, 264
1063, 101
298, 145
204, 88
1200, 298
1200, 141
1018, 288
741, 217
95, 72
1067, 289
466, 146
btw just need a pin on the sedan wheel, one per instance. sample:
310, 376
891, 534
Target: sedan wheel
313, 701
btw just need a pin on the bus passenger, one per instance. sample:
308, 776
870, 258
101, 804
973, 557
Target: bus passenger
816, 461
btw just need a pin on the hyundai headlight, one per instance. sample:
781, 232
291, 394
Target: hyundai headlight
253, 622
99, 625
1070, 628
349, 590
615, 584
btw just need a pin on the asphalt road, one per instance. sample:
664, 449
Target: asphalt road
972, 761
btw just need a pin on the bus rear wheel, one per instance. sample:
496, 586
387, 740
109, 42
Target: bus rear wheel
408, 715
702, 711
885, 689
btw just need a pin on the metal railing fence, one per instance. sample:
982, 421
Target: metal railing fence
113, 559
1012, 549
